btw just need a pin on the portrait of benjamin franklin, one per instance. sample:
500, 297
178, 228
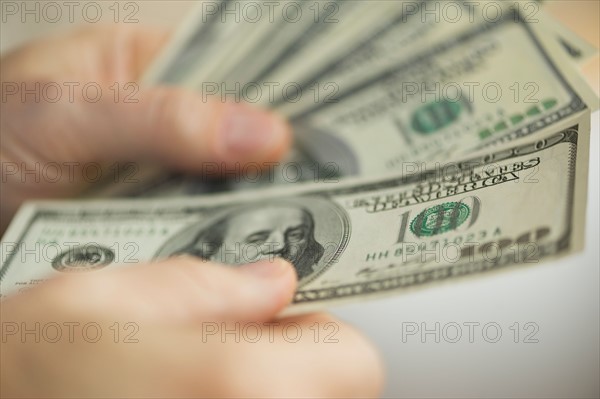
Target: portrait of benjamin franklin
308, 233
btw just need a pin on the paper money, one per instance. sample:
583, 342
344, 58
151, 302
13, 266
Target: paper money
519, 204
417, 26
220, 39
334, 41
428, 25
199, 38
314, 51
495, 83
471, 138
289, 34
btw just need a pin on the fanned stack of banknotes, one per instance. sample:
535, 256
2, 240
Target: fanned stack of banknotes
433, 140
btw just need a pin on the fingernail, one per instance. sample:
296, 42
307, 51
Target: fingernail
266, 268
248, 131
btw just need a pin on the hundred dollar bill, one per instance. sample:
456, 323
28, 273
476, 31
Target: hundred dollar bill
461, 94
152, 182
415, 26
312, 51
518, 204
425, 25
291, 48
215, 37
223, 41
200, 37
494, 83
255, 22
289, 34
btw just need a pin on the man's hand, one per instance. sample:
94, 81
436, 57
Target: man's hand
173, 305
179, 328
171, 127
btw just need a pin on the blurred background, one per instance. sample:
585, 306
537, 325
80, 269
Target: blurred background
560, 299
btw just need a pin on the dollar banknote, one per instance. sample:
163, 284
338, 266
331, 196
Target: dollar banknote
200, 38
481, 84
497, 82
313, 51
426, 25
472, 137
306, 43
223, 41
416, 26
517, 204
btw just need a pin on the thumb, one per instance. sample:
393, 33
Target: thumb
183, 130
168, 127
178, 290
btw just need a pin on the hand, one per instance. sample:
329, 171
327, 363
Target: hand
173, 308
172, 303
45, 136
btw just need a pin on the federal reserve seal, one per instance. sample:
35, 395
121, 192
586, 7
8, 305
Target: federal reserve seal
84, 258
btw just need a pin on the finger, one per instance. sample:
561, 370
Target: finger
178, 290
169, 127
358, 367
311, 356
186, 129
177, 361
179, 128
183, 130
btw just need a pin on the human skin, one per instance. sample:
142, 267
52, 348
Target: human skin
166, 126
170, 302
